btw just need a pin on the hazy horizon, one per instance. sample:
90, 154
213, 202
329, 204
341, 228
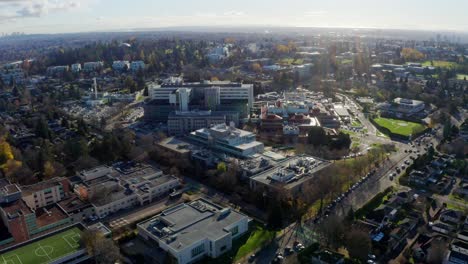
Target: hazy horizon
53, 16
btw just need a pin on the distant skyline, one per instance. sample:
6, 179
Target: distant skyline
64, 16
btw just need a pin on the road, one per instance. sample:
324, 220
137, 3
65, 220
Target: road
361, 195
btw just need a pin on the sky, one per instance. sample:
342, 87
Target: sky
64, 16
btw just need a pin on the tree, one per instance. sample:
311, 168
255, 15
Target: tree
49, 170
130, 84
436, 252
103, 250
221, 167
358, 244
42, 128
256, 67
332, 232
447, 129
5, 151
317, 136
410, 54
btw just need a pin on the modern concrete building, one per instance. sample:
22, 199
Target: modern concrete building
183, 122
137, 65
288, 175
190, 232
55, 70
9, 192
219, 96
121, 65
45, 193
76, 67
229, 140
110, 189
402, 106
93, 66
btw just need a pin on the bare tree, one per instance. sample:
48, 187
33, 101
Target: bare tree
332, 232
103, 250
358, 244
437, 251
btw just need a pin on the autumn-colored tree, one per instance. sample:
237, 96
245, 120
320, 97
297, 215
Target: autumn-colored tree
9, 168
5, 151
282, 49
221, 167
410, 54
49, 170
256, 67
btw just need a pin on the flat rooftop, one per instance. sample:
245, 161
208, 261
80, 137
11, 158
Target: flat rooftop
49, 215
73, 204
16, 208
111, 196
10, 189
291, 172
29, 189
176, 144
185, 224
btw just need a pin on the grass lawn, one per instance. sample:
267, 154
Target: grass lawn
349, 132
45, 250
441, 64
462, 76
290, 61
356, 123
346, 61
400, 127
257, 237
454, 206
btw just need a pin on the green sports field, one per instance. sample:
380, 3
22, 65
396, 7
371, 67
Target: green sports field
399, 127
45, 250
441, 64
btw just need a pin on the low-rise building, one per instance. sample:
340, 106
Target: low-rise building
228, 139
137, 65
189, 232
23, 222
402, 106
45, 193
57, 70
121, 65
9, 192
183, 122
110, 189
76, 67
93, 66
288, 175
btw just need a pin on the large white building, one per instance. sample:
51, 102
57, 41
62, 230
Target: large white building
120, 65
112, 189
228, 139
190, 232
402, 106
180, 123
53, 70
93, 66
216, 94
137, 65
76, 67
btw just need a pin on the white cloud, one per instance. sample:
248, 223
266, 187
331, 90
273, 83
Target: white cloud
15, 9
